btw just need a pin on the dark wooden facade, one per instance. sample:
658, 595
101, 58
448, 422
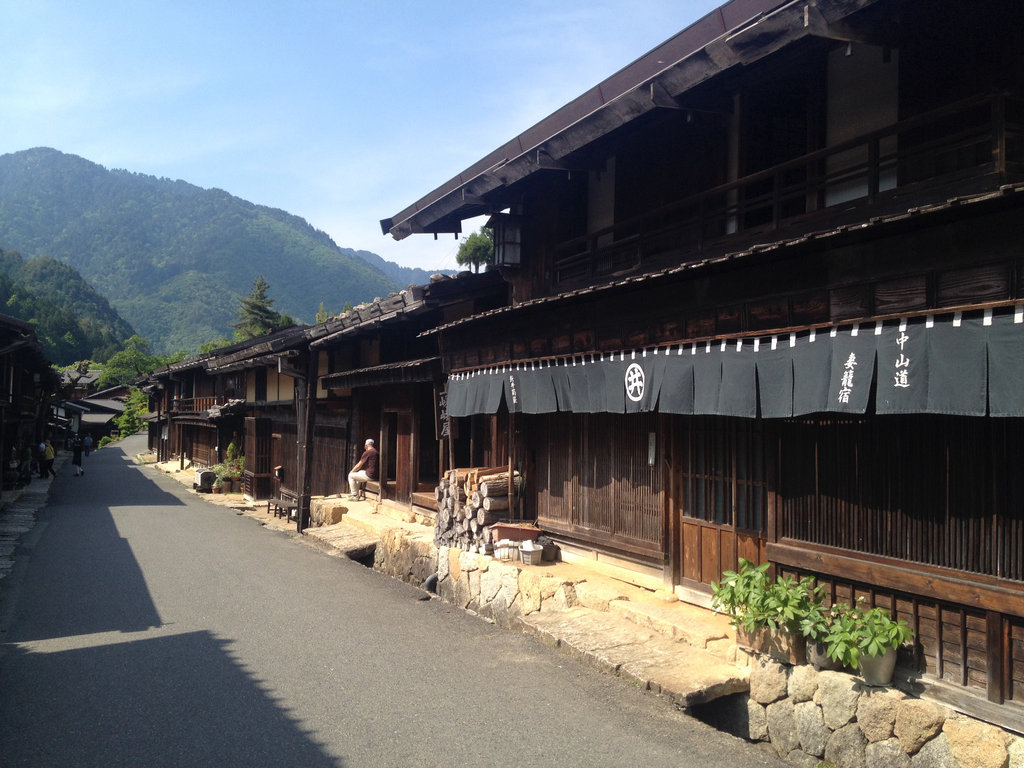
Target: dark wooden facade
191, 416
380, 363
29, 386
776, 193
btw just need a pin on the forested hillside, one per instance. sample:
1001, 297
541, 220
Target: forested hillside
73, 322
170, 257
403, 276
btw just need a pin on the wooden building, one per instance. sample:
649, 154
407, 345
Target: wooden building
251, 393
193, 413
767, 302
373, 371
381, 363
29, 385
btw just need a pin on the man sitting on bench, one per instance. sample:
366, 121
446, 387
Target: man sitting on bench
364, 471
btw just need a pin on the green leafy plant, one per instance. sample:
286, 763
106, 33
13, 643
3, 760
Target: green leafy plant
856, 632
818, 618
740, 594
787, 603
754, 601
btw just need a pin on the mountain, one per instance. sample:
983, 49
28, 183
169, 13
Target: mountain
172, 258
72, 321
404, 276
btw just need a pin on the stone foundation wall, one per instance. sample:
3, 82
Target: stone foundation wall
326, 510
498, 590
404, 557
808, 716
803, 714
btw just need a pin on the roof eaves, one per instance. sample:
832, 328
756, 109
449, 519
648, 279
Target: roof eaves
513, 159
1004, 191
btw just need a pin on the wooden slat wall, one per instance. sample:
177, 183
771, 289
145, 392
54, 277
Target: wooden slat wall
720, 473
329, 468
287, 455
951, 641
1015, 658
938, 490
202, 443
258, 483
594, 481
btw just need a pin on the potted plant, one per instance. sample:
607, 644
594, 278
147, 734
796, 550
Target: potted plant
236, 471
767, 615
740, 594
815, 627
867, 640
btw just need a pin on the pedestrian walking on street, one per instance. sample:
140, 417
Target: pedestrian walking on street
76, 456
46, 460
87, 444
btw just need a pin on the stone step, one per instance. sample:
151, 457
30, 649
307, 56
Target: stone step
678, 621
685, 674
685, 624
342, 539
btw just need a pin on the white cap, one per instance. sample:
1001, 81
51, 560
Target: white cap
369, 441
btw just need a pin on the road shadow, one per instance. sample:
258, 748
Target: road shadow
180, 700
85, 554
76, 689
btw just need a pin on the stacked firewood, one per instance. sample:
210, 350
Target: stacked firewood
469, 501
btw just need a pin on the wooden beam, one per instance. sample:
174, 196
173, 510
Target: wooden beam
662, 98
909, 578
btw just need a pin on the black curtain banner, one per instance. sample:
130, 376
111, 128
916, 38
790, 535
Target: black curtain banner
812, 364
1005, 366
738, 393
707, 379
775, 378
852, 368
676, 394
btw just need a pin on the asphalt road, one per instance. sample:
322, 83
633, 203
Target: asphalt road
143, 626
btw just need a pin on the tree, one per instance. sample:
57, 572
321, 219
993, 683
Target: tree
133, 419
322, 314
130, 363
212, 345
477, 249
256, 315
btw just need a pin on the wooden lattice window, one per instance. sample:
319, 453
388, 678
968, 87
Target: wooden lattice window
723, 473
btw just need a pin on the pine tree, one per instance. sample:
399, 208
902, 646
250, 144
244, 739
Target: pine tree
477, 250
256, 315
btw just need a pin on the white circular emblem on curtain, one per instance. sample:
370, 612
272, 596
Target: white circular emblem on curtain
635, 383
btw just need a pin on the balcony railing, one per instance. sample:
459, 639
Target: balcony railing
185, 405
979, 138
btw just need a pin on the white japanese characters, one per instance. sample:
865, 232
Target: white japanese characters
635, 383
902, 366
846, 382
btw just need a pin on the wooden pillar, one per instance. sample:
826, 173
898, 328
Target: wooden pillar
305, 421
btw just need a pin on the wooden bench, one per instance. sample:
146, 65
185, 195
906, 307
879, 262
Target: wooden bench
282, 506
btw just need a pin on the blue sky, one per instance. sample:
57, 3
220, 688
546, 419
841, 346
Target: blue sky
341, 112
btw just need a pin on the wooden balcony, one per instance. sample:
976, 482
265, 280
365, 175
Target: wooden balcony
971, 146
187, 405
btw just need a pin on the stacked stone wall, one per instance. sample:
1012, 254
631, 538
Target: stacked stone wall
498, 590
405, 557
808, 716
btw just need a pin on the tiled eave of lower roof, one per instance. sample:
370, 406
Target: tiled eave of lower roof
405, 372
697, 266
